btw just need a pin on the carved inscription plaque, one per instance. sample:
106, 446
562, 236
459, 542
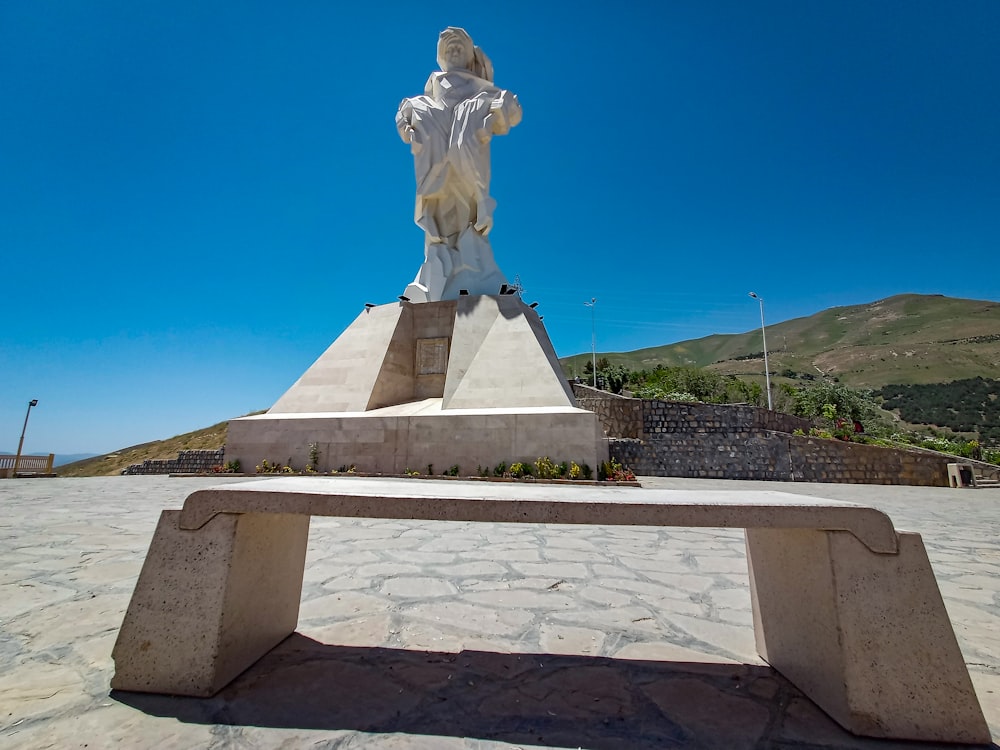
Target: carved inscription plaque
432, 356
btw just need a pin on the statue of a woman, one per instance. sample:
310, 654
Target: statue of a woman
449, 130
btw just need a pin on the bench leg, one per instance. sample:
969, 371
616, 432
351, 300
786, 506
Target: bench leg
865, 636
210, 602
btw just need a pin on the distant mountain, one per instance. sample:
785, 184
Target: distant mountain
68, 458
906, 339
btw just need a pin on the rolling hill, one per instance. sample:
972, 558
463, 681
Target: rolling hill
906, 339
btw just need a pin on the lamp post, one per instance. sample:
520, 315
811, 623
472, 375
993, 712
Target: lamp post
20, 445
763, 336
593, 336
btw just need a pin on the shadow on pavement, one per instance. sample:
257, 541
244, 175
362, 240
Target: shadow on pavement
536, 699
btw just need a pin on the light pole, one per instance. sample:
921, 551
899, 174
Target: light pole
763, 336
593, 336
20, 445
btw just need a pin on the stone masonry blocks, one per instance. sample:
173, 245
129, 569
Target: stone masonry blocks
745, 442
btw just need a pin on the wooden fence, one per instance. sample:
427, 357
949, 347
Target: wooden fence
33, 465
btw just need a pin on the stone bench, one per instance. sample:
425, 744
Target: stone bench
844, 606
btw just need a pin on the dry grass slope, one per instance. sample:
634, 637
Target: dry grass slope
208, 438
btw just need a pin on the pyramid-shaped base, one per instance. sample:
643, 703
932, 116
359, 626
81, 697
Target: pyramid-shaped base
470, 382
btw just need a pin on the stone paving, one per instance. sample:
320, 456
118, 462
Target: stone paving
424, 635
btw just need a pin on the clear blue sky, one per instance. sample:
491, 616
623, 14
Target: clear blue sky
196, 198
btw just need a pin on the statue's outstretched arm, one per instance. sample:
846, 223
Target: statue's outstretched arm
404, 118
505, 113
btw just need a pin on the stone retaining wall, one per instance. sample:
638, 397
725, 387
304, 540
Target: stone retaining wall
779, 457
669, 417
620, 416
674, 439
819, 460
187, 462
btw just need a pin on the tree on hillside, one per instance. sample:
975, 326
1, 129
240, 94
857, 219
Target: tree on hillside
602, 364
970, 405
695, 384
610, 377
835, 401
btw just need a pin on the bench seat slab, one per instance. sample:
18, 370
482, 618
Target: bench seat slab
210, 603
358, 497
866, 636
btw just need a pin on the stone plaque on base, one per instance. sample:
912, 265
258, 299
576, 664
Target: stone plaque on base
432, 356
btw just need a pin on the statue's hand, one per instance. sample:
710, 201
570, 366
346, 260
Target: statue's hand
404, 126
413, 138
484, 215
484, 225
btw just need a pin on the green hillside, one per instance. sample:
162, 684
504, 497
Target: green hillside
906, 339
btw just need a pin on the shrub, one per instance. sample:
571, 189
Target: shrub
545, 468
266, 467
519, 469
616, 472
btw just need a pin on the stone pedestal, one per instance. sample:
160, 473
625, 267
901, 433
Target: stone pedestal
473, 382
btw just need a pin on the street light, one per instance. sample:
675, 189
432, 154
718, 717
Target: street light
763, 336
20, 445
593, 335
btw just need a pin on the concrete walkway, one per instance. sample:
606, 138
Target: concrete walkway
436, 635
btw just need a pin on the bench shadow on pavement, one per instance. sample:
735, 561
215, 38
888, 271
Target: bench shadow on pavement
535, 699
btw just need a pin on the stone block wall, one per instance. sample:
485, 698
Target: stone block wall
819, 460
187, 462
670, 417
674, 439
778, 457
620, 416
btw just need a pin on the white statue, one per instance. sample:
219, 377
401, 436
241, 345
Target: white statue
449, 130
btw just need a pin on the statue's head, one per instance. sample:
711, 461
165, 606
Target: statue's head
455, 49
457, 52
